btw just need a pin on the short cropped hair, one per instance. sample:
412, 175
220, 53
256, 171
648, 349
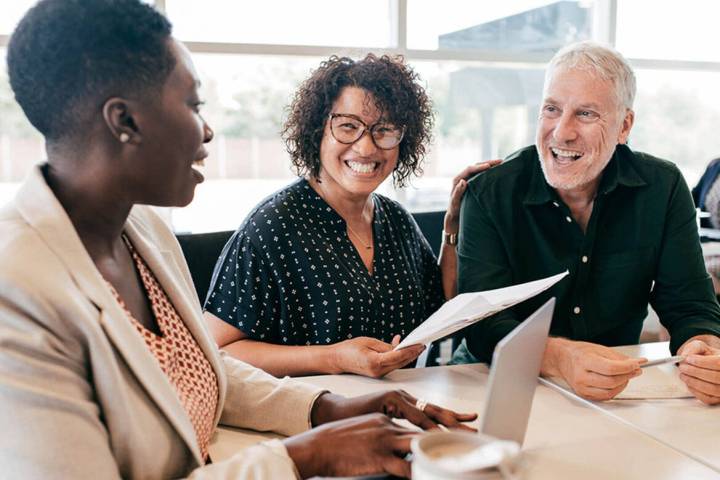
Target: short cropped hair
396, 92
603, 61
66, 57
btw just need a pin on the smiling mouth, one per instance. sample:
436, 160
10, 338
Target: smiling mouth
565, 156
362, 167
199, 163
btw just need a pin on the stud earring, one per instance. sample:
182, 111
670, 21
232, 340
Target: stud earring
124, 137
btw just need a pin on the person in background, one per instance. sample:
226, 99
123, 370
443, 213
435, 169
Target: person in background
622, 222
106, 367
326, 276
706, 195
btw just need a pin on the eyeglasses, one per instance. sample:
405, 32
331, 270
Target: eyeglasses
348, 129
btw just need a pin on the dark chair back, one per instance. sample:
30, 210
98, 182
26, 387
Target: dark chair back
202, 250
431, 225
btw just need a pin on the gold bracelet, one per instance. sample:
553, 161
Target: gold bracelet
450, 238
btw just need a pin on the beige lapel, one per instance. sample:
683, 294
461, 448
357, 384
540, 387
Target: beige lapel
164, 266
40, 208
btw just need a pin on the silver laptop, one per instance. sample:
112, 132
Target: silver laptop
513, 376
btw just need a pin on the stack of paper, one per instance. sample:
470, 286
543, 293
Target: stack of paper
468, 308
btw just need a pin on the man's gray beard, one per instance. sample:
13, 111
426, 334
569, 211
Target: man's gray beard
556, 186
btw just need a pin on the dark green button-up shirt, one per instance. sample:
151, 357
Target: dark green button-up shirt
641, 246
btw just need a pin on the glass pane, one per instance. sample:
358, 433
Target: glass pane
12, 12
245, 100
540, 26
677, 114
673, 30
676, 118
482, 112
320, 22
20, 144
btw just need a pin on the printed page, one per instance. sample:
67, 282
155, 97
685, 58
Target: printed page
468, 308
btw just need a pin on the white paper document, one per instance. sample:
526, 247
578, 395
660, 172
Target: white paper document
655, 383
468, 308
658, 382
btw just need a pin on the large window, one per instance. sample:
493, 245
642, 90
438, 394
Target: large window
512, 26
482, 63
669, 30
283, 22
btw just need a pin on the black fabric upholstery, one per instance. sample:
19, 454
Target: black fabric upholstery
202, 250
431, 225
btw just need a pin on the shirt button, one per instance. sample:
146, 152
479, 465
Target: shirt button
556, 204
576, 310
584, 259
569, 220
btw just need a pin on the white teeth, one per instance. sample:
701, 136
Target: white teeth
200, 162
361, 167
566, 153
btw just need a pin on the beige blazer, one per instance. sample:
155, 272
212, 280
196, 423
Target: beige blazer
80, 394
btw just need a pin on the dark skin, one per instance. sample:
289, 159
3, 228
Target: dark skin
366, 442
140, 151
98, 212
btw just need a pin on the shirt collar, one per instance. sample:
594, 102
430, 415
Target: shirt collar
619, 171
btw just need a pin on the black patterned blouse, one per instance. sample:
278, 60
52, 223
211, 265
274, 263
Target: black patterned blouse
290, 275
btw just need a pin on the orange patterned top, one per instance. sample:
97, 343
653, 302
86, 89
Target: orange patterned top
179, 355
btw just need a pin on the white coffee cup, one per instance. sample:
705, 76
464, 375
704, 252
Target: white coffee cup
439, 456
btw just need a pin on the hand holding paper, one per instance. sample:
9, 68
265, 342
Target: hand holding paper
468, 308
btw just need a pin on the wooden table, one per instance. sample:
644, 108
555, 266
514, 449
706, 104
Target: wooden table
566, 437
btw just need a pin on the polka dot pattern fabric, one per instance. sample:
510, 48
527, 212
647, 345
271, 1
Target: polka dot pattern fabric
290, 275
180, 357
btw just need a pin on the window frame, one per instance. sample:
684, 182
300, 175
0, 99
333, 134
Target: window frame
604, 30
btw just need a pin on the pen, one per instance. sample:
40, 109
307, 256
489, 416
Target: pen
675, 359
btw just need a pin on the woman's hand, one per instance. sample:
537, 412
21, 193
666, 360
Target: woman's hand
362, 445
394, 403
371, 357
452, 216
357, 439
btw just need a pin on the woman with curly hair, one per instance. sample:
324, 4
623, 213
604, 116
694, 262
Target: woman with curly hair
326, 276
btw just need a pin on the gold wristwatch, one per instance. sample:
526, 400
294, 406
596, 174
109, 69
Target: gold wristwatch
450, 238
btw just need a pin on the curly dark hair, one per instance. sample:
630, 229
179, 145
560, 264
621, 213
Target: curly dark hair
395, 90
65, 58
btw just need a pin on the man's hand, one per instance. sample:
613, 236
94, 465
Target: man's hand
593, 371
452, 216
357, 446
701, 368
396, 404
372, 357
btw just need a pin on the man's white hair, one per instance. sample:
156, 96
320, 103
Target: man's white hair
602, 60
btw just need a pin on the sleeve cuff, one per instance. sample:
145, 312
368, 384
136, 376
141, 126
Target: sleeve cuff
258, 401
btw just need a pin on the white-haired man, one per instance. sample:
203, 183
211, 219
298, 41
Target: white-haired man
622, 222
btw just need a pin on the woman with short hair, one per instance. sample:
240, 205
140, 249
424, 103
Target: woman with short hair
106, 367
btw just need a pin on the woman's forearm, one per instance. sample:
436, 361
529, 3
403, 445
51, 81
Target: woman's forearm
284, 360
448, 269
